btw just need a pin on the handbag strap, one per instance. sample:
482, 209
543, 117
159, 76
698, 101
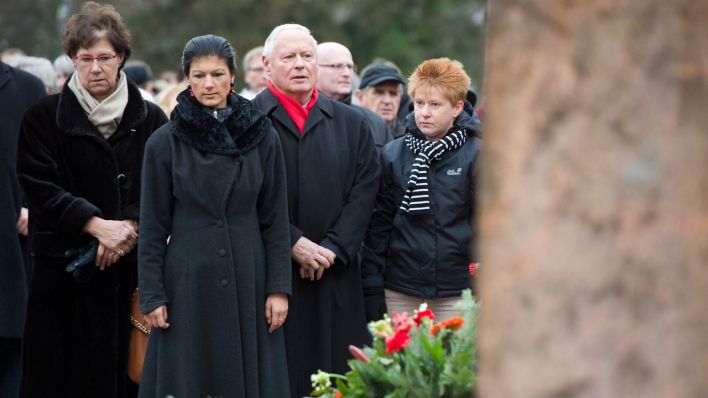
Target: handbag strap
134, 321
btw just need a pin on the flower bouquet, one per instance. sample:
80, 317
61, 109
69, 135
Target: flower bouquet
412, 356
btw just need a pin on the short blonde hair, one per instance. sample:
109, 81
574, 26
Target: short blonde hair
443, 74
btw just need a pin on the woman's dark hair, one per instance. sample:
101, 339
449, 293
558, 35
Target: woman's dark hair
204, 46
92, 23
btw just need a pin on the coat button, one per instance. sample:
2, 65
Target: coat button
221, 252
224, 282
219, 223
121, 178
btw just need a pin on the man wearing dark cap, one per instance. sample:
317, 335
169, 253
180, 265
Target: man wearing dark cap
380, 91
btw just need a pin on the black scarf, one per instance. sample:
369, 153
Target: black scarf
232, 131
416, 199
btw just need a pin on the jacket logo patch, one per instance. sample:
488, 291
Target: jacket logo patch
453, 172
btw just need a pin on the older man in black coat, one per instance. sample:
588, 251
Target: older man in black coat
18, 90
332, 175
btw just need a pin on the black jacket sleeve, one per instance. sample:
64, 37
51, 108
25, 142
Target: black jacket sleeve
40, 176
155, 221
273, 217
345, 237
375, 247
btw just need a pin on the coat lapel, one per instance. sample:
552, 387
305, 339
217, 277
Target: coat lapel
322, 109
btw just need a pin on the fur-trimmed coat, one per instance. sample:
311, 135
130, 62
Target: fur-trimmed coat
75, 337
217, 189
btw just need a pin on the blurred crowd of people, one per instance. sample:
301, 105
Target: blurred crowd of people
340, 82
260, 229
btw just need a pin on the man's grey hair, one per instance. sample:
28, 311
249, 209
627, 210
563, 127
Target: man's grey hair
270, 41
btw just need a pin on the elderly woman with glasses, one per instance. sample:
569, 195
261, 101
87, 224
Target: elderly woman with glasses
79, 161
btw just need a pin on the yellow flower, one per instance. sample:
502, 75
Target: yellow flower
381, 328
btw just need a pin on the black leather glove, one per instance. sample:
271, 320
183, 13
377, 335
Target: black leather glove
374, 303
83, 266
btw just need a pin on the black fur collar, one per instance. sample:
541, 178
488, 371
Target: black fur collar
239, 132
72, 119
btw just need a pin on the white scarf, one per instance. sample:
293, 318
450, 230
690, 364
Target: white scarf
106, 114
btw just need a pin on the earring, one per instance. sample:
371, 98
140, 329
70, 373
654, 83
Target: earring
189, 90
233, 91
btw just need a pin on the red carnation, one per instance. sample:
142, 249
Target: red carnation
423, 314
399, 341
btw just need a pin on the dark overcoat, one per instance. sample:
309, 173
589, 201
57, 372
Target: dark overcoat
217, 189
332, 173
18, 90
75, 337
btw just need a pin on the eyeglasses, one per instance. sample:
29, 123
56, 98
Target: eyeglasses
103, 59
340, 66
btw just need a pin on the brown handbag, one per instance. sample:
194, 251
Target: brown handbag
139, 334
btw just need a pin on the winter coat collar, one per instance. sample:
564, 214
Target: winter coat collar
72, 119
467, 119
238, 133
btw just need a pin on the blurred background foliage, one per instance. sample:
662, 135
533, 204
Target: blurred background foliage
405, 32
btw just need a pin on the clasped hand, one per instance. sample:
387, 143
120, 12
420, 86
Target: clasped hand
312, 258
116, 238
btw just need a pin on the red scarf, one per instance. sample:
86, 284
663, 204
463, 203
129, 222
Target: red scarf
297, 112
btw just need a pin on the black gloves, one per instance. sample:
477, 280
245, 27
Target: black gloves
374, 303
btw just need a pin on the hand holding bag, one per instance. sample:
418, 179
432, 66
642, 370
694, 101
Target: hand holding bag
139, 334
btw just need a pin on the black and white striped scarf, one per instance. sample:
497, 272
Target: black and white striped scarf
416, 199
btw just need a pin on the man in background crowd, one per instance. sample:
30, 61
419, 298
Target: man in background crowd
253, 73
334, 79
380, 91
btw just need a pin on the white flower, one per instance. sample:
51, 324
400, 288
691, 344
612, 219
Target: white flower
320, 381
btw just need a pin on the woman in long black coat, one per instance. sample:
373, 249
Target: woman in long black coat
79, 158
217, 293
